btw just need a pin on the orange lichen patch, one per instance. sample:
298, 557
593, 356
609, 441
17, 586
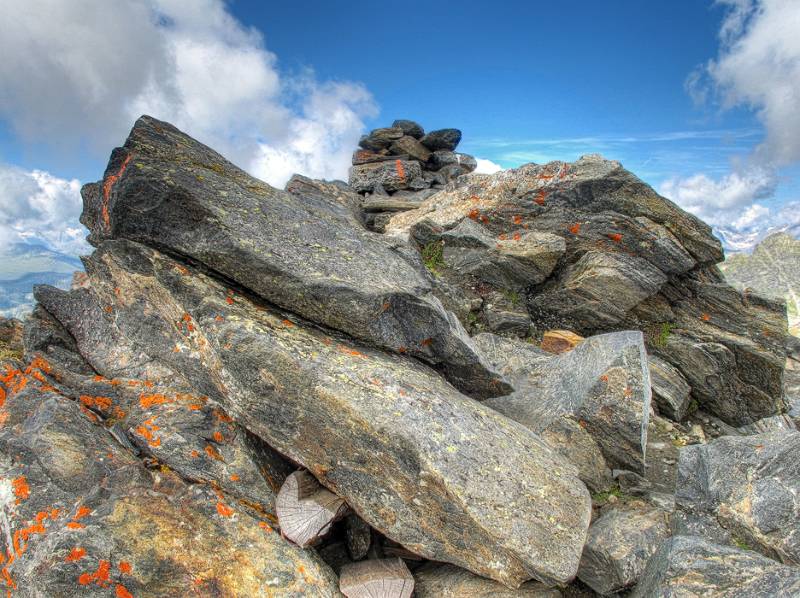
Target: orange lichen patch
114, 382
76, 554
540, 197
75, 525
544, 177
146, 431
4, 415
484, 218
287, 323
108, 184
149, 400
616, 237
517, 219
516, 236
229, 300
101, 576
103, 403
120, 591
218, 437
39, 363
401, 172
125, 567
705, 317
98, 378
575, 228
502, 236
386, 305
224, 509
426, 342
402, 350
234, 477
628, 392
181, 269
213, 453
219, 319
265, 526
474, 214
21, 489
108, 309
195, 407
350, 351
194, 454
14, 380
604, 378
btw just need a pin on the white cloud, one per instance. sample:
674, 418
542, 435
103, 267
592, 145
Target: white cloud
487, 166
35, 205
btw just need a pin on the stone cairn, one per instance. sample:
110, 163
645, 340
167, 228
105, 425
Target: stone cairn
397, 168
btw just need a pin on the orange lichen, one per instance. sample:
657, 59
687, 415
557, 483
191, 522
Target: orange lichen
120, 591
349, 351
224, 509
218, 437
107, 186
219, 319
101, 576
540, 197
484, 218
575, 228
103, 403
149, 400
426, 342
21, 489
401, 172
229, 300
75, 525
402, 350
265, 526
517, 219
125, 567
194, 454
616, 237
76, 554
234, 477
502, 237
287, 323
705, 317
473, 214
516, 236
213, 453
604, 378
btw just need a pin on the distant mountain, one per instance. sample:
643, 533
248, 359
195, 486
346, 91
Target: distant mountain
773, 269
24, 265
738, 241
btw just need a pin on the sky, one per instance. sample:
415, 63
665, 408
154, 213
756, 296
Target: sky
698, 98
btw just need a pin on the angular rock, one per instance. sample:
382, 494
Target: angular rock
363, 156
165, 189
386, 433
391, 203
560, 341
358, 537
747, 485
392, 176
380, 139
441, 158
512, 323
691, 566
408, 146
387, 578
569, 439
769, 424
442, 139
10, 337
603, 384
671, 392
446, 581
409, 127
87, 517
306, 511
619, 546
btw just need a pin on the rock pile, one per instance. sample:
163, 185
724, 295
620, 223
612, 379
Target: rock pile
398, 167
252, 394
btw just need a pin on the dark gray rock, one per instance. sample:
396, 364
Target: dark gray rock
691, 566
383, 431
380, 139
747, 485
619, 546
671, 392
165, 189
441, 158
442, 139
514, 323
390, 175
363, 156
603, 384
409, 127
408, 146
446, 581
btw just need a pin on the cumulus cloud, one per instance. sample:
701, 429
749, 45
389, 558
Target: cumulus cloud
487, 166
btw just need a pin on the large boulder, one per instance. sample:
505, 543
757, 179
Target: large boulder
632, 260
436, 471
409, 127
380, 139
442, 139
300, 251
747, 486
692, 566
603, 384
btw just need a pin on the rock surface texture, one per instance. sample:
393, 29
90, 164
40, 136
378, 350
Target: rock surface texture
252, 392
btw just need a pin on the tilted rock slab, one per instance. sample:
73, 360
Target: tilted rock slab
603, 384
166, 190
82, 516
446, 581
692, 566
448, 478
749, 486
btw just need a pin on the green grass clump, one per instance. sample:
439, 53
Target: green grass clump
512, 296
433, 256
659, 334
602, 497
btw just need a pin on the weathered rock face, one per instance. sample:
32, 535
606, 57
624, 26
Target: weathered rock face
165, 189
603, 385
447, 581
413, 457
82, 515
748, 486
691, 566
619, 546
671, 392
631, 260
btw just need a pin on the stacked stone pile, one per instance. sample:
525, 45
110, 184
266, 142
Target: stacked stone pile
397, 168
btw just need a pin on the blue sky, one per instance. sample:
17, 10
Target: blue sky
700, 99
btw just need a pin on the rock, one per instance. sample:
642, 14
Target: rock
691, 566
446, 581
671, 392
392, 176
388, 578
603, 384
307, 255
409, 127
380, 430
441, 158
10, 338
391, 203
408, 146
306, 511
513, 323
363, 156
358, 536
87, 516
769, 424
746, 485
380, 139
618, 547
559, 341
568, 438
442, 139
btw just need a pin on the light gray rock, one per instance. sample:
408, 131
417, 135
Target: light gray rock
446, 581
671, 392
692, 566
441, 158
769, 424
619, 546
603, 384
747, 485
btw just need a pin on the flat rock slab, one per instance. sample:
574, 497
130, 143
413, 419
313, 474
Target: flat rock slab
297, 250
691, 566
603, 384
448, 581
747, 485
86, 517
432, 469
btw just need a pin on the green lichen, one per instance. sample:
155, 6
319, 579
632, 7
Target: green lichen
433, 256
8, 353
741, 543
